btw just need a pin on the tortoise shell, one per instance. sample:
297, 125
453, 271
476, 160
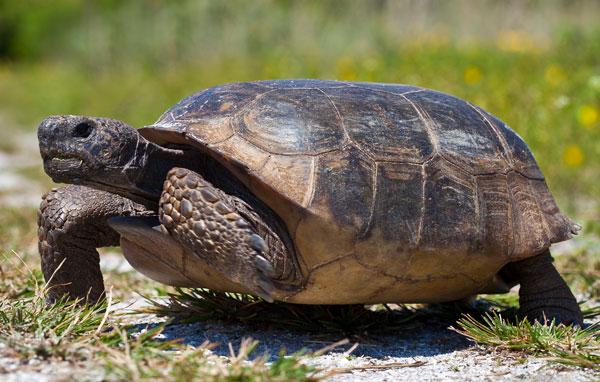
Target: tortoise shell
389, 192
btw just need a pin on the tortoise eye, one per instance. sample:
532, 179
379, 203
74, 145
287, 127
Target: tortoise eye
83, 130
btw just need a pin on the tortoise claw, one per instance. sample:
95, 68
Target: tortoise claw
264, 266
264, 284
258, 243
264, 289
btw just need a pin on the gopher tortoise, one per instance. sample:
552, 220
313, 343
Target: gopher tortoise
309, 192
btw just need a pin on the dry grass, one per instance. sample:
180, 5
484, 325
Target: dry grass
145, 358
188, 305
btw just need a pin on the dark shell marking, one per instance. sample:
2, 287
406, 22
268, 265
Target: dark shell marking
412, 166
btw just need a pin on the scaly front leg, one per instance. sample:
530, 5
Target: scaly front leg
228, 234
72, 224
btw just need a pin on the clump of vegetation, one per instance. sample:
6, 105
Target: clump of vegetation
71, 330
189, 305
31, 326
563, 344
145, 358
500, 327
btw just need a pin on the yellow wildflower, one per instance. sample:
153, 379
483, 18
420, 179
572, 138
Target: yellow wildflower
554, 74
573, 155
588, 116
346, 69
472, 75
514, 41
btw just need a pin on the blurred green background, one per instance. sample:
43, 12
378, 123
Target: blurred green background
534, 64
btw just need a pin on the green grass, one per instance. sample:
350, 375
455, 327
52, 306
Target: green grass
501, 329
100, 340
98, 337
33, 328
562, 344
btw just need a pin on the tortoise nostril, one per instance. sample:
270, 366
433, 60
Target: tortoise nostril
83, 130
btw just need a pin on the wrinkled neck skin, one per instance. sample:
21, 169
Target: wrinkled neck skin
147, 169
141, 178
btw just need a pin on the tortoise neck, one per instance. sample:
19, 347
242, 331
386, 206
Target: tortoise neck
141, 173
150, 165
142, 177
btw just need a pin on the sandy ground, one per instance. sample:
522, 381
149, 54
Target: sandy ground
427, 351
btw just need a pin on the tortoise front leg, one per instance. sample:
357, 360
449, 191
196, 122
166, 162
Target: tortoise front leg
543, 294
228, 234
72, 224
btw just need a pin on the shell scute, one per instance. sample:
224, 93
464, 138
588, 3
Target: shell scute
343, 190
291, 122
451, 215
398, 203
460, 133
531, 235
217, 102
519, 156
382, 124
496, 212
292, 174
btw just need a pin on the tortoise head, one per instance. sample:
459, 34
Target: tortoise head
98, 152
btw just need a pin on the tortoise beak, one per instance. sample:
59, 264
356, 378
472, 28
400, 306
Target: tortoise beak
47, 136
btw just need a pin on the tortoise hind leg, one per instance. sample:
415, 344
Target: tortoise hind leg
225, 232
543, 294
